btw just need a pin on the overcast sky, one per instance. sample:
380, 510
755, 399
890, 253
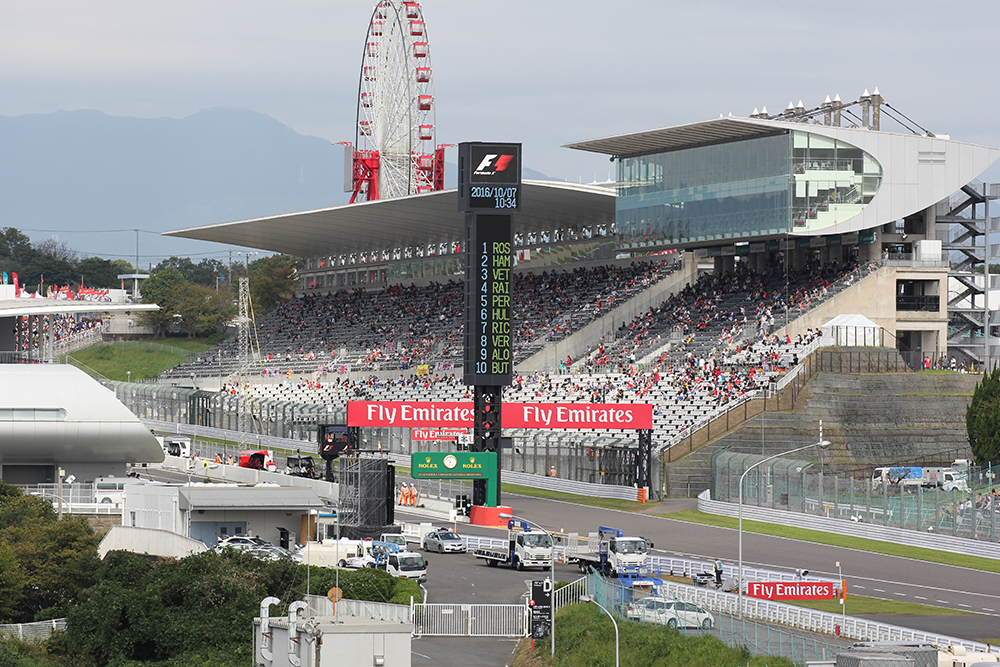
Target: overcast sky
541, 72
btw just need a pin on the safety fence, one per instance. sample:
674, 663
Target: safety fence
870, 531
470, 620
801, 487
32, 632
767, 627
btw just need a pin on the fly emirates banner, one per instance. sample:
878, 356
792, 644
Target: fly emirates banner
411, 414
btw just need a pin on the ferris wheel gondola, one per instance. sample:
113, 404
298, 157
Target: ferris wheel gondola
393, 154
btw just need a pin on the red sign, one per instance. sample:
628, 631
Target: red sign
409, 414
577, 415
413, 414
446, 434
780, 590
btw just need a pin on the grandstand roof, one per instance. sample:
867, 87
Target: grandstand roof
704, 133
406, 221
21, 307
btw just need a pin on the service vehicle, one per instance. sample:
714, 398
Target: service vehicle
618, 555
389, 557
948, 479
525, 548
300, 465
240, 543
257, 460
175, 445
443, 540
671, 613
394, 538
331, 552
109, 490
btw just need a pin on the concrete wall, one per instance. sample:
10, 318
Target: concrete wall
875, 297
149, 541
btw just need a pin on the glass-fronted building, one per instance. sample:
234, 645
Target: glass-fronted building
785, 181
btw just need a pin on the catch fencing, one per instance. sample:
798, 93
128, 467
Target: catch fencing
767, 627
803, 488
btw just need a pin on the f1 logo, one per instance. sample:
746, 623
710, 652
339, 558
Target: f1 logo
493, 163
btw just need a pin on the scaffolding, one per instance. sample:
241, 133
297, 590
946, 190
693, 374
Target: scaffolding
365, 490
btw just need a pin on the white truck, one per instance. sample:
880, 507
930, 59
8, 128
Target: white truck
332, 553
389, 557
618, 555
947, 479
525, 548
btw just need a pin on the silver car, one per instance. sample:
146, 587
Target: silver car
443, 540
671, 613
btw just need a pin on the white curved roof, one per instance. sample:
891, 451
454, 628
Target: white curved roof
56, 413
917, 170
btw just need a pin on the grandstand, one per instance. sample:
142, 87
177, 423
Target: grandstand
784, 222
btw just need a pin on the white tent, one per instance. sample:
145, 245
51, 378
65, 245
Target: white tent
851, 330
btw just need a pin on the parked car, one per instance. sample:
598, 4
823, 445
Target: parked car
443, 540
671, 613
240, 543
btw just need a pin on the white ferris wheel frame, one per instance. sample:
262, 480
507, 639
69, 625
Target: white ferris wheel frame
389, 117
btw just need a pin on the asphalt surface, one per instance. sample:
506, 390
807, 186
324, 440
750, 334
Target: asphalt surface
461, 578
868, 574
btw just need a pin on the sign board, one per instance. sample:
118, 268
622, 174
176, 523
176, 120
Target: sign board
780, 590
439, 434
489, 177
488, 308
447, 415
540, 605
453, 465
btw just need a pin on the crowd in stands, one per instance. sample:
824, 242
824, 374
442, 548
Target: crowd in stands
718, 312
402, 327
721, 326
66, 328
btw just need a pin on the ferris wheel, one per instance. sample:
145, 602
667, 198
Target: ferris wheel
393, 154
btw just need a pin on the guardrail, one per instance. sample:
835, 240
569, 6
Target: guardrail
913, 538
851, 627
33, 632
253, 439
320, 606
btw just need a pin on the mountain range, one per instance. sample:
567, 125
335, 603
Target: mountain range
91, 179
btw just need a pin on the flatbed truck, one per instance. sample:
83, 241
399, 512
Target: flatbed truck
525, 548
617, 554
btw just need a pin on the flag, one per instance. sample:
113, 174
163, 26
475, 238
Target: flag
16, 290
4, 277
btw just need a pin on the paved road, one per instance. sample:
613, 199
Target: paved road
464, 579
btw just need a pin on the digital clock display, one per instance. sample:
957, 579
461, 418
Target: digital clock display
489, 177
488, 342
495, 197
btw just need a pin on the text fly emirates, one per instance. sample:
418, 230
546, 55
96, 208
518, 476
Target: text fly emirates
611, 414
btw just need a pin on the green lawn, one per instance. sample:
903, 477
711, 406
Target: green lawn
144, 359
833, 539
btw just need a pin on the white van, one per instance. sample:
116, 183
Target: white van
111, 490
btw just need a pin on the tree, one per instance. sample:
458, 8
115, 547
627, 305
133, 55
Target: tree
205, 272
272, 280
982, 419
102, 273
164, 288
55, 560
11, 582
202, 308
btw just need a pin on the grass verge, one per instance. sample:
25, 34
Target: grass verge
833, 539
586, 637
